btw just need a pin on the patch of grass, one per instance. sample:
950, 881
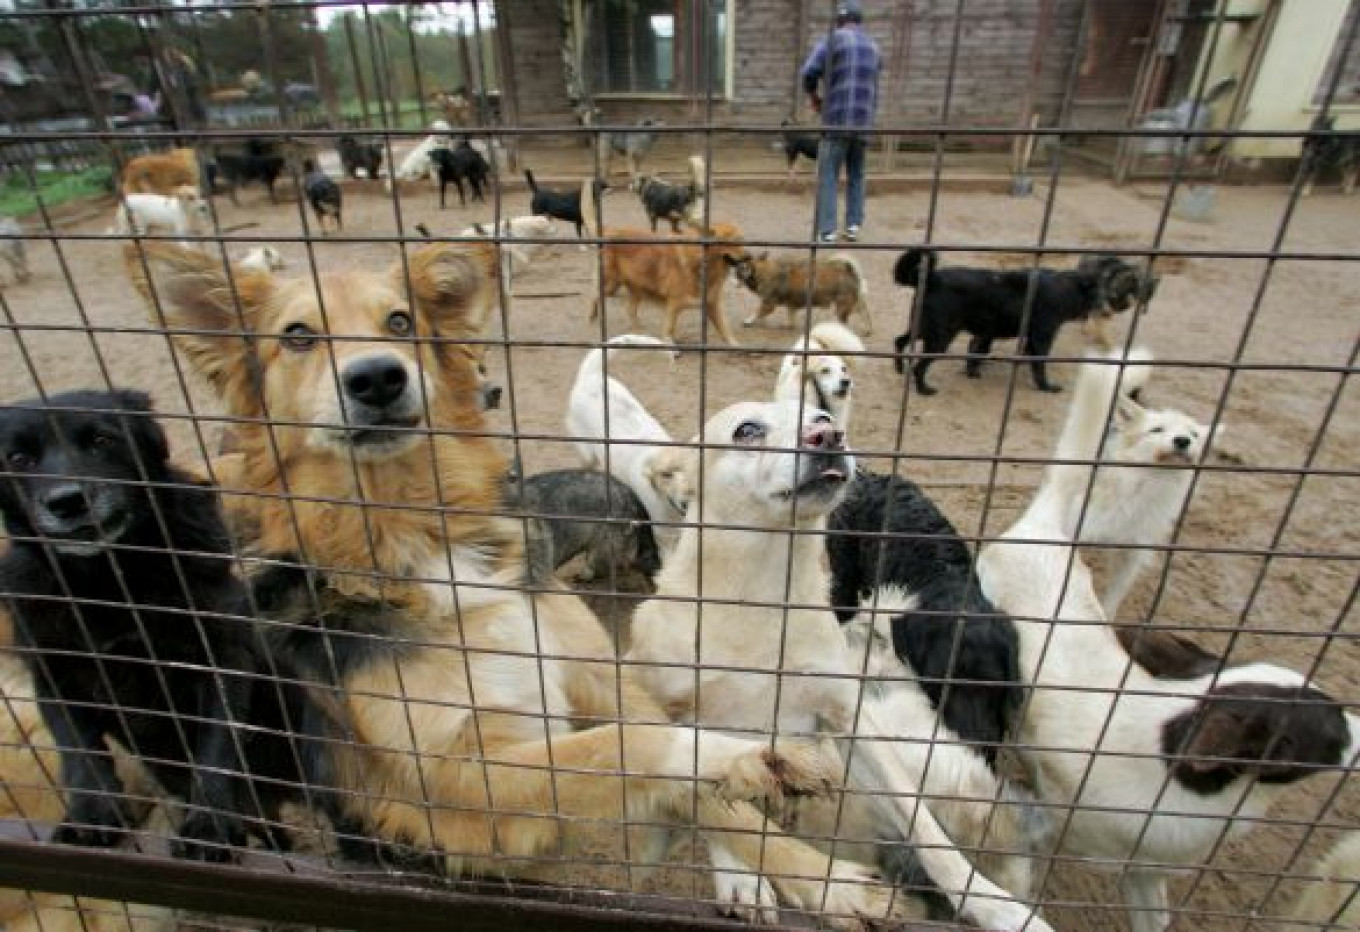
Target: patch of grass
18, 199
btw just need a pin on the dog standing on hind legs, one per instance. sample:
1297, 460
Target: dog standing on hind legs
402, 426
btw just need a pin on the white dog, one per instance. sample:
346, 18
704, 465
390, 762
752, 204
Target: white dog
183, 213
417, 163
1156, 770
768, 668
263, 259
601, 408
1137, 501
515, 255
827, 376
1333, 900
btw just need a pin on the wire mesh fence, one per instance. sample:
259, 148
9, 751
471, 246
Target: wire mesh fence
460, 474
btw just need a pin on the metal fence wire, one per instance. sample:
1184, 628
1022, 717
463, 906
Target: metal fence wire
378, 556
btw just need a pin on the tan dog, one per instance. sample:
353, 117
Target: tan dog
162, 172
668, 272
784, 281
455, 730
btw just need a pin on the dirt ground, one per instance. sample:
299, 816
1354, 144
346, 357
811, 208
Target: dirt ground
1292, 322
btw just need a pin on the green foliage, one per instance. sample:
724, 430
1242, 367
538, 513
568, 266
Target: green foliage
18, 199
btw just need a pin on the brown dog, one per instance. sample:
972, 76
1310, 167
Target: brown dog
669, 272
784, 281
463, 719
161, 172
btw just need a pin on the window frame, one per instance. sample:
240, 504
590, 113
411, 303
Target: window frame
725, 92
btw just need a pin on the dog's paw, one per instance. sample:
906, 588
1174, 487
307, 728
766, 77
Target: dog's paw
973, 373
924, 389
854, 900
209, 837
748, 897
1003, 915
759, 772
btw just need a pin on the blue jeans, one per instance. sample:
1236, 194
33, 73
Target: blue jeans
835, 149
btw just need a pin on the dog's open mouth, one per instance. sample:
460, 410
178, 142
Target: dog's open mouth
824, 481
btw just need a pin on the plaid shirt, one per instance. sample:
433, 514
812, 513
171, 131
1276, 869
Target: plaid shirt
851, 77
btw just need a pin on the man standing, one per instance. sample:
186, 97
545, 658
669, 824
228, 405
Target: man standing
849, 63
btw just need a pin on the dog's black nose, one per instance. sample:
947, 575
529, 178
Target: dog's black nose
376, 381
66, 502
823, 436
1182, 443
845, 385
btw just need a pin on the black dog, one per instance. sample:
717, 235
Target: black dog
119, 580
979, 678
459, 164
990, 304
356, 154
664, 201
796, 144
1339, 152
323, 194
260, 163
559, 205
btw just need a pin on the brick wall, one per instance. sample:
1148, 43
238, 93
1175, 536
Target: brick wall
992, 70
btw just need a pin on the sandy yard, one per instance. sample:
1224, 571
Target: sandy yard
1287, 410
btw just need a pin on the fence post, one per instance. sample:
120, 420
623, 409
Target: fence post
348, 19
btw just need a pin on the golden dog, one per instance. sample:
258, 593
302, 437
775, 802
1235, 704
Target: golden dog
447, 695
668, 272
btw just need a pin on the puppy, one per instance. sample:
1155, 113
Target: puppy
796, 283
771, 657
324, 195
1178, 763
634, 145
675, 203
991, 305
360, 155
264, 259
813, 375
12, 249
601, 408
575, 512
161, 172
454, 166
673, 274
963, 653
417, 164
512, 701
1136, 501
121, 656
798, 144
1339, 152
560, 205
184, 213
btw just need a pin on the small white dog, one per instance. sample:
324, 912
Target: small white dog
1136, 501
182, 213
417, 163
827, 376
1155, 770
772, 473
515, 255
263, 259
601, 408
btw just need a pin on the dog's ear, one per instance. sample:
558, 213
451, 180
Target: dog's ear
215, 314
449, 282
1127, 410
153, 447
1149, 288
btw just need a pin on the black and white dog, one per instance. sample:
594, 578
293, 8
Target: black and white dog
991, 305
798, 144
560, 205
360, 154
672, 202
889, 546
119, 578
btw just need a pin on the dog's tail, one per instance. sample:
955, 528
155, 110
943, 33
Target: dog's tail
593, 362
590, 208
529, 177
861, 291
698, 170
912, 266
834, 337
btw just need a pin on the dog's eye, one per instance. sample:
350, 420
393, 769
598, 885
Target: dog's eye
16, 459
748, 431
400, 324
299, 337
1157, 430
